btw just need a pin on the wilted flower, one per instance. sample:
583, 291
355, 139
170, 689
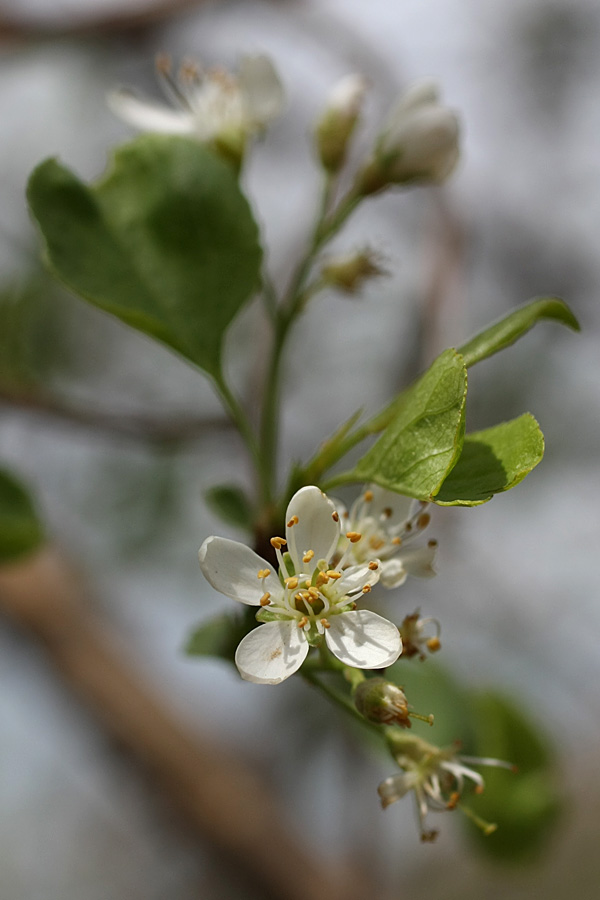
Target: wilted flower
418, 143
310, 597
382, 702
437, 777
388, 523
337, 123
213, 105
418, 637
349, 272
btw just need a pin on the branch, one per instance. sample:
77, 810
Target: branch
222, 799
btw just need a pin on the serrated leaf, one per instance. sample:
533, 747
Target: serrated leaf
421, 444
524, 805
509, 329
165, 241
493, 461
20, 529
231, 504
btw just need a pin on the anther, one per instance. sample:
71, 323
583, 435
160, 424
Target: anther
313, 593
308, 556
433, 644
303, 621
397, 541
353, 536
325, 623
293, 521
265, 599
335, 516
423, 520
376, 543
373, 566
388, 512
291, 583
368, 496
322, 579
263, 573
278, 542
163, 64
367, 589
453, 801
331, 573
478, 789
433, 543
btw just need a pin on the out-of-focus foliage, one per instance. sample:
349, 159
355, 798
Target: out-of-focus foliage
20, 530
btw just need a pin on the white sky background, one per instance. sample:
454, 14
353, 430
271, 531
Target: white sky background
517, 588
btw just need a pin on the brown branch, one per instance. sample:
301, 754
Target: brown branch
223, 800
136, 427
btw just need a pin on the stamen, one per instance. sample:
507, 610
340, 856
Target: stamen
263, 573
313, 593
487, 827
388, 512
163, 64
433, 644
433, 543
291, 583
368, 496
308, 556
373, 566
331, 573
423, 520
376, 543
265, 599
396, 541
453, 801
335, 516
278, 542
323, 578
325, 623
303, 621
429, 719
293, 521
367, 589
353, 536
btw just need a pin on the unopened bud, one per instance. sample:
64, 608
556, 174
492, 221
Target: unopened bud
418, 144
349, 272
382, 702
335, 127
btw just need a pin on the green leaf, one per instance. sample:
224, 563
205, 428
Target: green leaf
423, 441
165, 241
231, 504
524, 805
220, 636
509, 329
20, 530
492, 461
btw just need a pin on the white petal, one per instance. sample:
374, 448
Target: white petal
347, 95
395, 787
420, 94
363, 639
272, 652
316, 529
419, 561
149, 116
383, 501
393, 573
232, 568
355, 578
262, 89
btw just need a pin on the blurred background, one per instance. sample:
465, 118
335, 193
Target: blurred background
80, 397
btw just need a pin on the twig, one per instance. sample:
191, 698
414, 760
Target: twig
223, 800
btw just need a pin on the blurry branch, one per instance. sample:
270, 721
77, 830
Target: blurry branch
137, 427
15, 27
217, 794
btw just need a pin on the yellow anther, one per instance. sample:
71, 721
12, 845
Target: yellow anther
263, 573
299, 597
373, 565
397, 541
331, 573
353, 536
306, 596
293, 521
308, 556
434, 644
423, 520
367, 589
278, 542
322, 579
265, 599
313, 592
368, 496
335, 516
303, 621
291, 583
478, 789
453, 801
376, 543
306, 584
325, 623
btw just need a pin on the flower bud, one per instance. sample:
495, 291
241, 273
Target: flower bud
348, 272
334, 128
382, 702
418, 143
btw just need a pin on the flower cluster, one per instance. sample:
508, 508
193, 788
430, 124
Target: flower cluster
313, 595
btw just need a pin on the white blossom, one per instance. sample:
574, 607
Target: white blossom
213, 105
388, 523
309, 599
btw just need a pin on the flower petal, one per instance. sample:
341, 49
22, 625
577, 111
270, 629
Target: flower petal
393, 573
363, 639
272, 652
316, 530
263, 91
232, 568
395, 508
356, 577
149, 116
395, 787
419, 561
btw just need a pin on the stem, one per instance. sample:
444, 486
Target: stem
339, 699
242, 422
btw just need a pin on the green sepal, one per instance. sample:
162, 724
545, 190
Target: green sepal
166, 241
513, 326
493, 461
20, 529
423, 441
231, 504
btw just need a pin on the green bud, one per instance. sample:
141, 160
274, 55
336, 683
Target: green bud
382, 702
335, 127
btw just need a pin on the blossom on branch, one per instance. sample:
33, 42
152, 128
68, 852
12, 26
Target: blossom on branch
311, 597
